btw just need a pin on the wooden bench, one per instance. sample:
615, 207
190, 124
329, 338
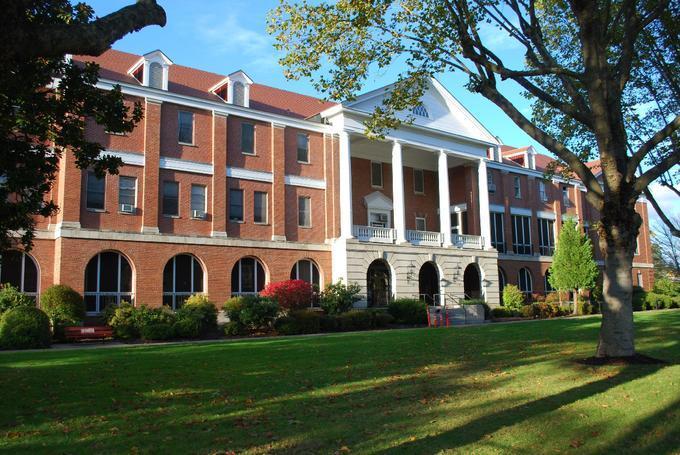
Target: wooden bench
97, 332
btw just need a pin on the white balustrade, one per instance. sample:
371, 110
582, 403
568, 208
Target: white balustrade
424, 237
374, 234
467, 241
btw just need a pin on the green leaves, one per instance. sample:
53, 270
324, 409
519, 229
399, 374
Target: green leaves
573, 265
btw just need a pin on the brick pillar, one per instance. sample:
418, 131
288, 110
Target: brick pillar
278, 184
70, 191
152, 151
328, 193
219, 179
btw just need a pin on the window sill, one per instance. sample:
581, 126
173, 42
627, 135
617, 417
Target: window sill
249, 154
134, 212
187, 144
377, 187
237, 221
261, 223
196, 218
171, 216
95, 210
305, 227
304, 162
418, 193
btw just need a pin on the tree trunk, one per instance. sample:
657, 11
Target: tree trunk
575, 302
617, 337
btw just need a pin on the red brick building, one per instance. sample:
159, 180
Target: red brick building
228, 185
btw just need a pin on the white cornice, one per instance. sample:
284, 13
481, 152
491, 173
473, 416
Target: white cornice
546, 215
176, 164
296, 180
248, 174
520, 211
132, 159
496, 208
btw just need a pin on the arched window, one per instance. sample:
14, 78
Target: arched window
379, 283
20, 270
247, 277
502, 280
182, 278
108, 280
306, 270
525, 281
239, 94
156, 75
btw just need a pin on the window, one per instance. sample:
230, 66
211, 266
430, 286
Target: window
421, 224
525, 284
248, 138
155, 75
521, 234
239, 94
171, 198
497, 232
376, 174
95, 191
302, 148
418, 181
565, 196
182, 278
306, 270
236, 205
186, 127
260, 207
127, 193
518, 187
490, 183
198, 201
541, 192
20, 270
637, 245
247, 277
304, 211
502, 281
378, 219
546, 237
639, 279
108, 281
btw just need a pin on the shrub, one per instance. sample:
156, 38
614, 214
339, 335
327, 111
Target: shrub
157, 331
187, 327
501, 312
233, 328
408, 311
25, 327
537, 298
381, 319
290, 294
11, 297
299, 322
542, 310
63, 305
639, 297
199, 308
355, 320
513, 298
144, 315
338, 298
667, 287
122, 320
252, 312
675, 302
654, 301
328, 323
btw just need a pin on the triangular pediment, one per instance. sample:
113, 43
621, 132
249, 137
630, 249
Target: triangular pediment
377, 201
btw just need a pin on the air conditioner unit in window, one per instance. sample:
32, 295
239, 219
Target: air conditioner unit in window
198, 214
492, 187
127, 208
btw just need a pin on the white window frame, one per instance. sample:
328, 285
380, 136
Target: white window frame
382, 174
179, 198
255, 280
308, 219
549, 242
565, 196
515, 234
204, 208
493, 217
179, 127
134, 196
517, 185
640, 281
243, 210
297, 148
424, 220
119, 295
388, 213
174, 294
422, 174
91, 174
254, 151
312, 266
543, 196
24, 255
266, 207
530, 280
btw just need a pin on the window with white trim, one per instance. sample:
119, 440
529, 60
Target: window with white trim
247, 276
525, 283
521, 234
639, 279
517, 184
307, 271
546, 237
239, 94
236, 205
198, 201
421, 223
302, 148
182, 277
565, 196
95, 196
127, 193
170, 200
304, 211
247, 138
418, 181
20, 270
260, 207
490, 183
541, 191
108, 281
497, 231
185, 129
376, 174
379, 218
156, 75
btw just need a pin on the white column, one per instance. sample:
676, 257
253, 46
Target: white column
444, 204
345, 187
484, 222
398, 192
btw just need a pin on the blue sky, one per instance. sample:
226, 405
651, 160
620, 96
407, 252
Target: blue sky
223, 36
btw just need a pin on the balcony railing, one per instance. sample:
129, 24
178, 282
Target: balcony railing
467, 241
424, 237
373, 234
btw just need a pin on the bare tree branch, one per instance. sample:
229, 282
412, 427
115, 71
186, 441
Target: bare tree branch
675, 231
657, 171
648, 146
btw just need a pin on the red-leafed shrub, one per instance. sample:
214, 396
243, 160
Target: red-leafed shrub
290, 294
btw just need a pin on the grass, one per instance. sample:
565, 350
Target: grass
488, 389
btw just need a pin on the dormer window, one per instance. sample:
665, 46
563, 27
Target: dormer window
139, 73
156, 75
223, 92
234, 89
239, 94
420, 111
152, 70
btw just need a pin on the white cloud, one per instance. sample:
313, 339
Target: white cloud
667, 200
497, 39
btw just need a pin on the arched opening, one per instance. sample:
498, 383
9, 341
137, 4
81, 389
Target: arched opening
306, 270
378, 279
247, 276
525, 282
502, 281
472, 282
108, 281
21, 271
428, 283
182, 277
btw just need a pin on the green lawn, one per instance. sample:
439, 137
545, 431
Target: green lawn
488, 389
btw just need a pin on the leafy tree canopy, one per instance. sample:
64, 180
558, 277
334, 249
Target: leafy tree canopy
573, 266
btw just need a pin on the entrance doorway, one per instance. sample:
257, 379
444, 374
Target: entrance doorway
428, 283
378, 281
472, 282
